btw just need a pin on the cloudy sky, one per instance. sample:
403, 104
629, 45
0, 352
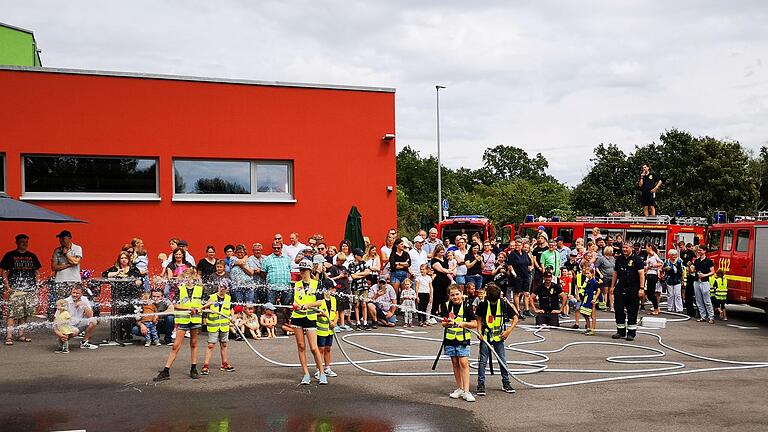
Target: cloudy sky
556, 77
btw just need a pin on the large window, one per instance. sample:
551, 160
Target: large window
232, 180
742, 241
713, 240
89, 177
728, 240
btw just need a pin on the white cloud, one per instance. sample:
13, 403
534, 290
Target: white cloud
555, 77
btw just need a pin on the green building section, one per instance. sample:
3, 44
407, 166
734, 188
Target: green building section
18, 47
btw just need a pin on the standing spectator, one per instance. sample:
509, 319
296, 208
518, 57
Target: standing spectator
653, 265
649, 184
540, 247
256, 263
596, 234
65, 263
359, 272
605, 266
174, 270
423, 293
459, 253
20, 271
688, 256
345, 247
562, 249
278, 269
474, 262
373, 261
399, 263
519, 268
628, 278
340, 277
550, 260
418, 256
141, 261
206, 267
492, 315
292, 250
431, 243
440, 282
550, 302
229, 256
488, 262
673, 277
386, 251
242, 277
704, 269
125, 287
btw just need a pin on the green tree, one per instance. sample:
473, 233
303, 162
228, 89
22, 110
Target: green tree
508, 162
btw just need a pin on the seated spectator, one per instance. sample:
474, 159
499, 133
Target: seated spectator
148, 320
382, 304
268, 320
249, 324
81, 316
164, 324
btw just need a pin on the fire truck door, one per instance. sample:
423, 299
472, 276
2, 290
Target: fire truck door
760, 265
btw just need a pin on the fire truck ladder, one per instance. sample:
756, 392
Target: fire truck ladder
657, 220
761, 216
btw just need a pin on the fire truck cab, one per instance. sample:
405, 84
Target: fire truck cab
740, 249
467, 224
662, 230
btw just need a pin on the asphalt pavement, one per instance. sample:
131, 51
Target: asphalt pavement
112, 389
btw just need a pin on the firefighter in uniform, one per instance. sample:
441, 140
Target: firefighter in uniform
188, 318
628, 277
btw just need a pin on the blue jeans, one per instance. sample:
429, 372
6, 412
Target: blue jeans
476, 279
243, 294
484, 352
398, 276
151, 332
285, 296
164, 325
461, 279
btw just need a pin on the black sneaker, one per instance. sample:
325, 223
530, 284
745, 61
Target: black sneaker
162, 376
193, 373
359, 327
522, 317
617, 336
367, 327
630, 337
507, 387
480, 390
575, 326
374, 325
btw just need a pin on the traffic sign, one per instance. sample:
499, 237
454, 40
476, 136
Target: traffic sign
445, 204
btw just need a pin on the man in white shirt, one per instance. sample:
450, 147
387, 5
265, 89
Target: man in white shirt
81, 316
65, 264
291, 250
418, 256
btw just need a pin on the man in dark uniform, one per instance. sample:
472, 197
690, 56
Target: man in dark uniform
550, 302
649, 183
628, 277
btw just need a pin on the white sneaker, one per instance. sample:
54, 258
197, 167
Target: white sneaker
467, 396
88, 345
432, 321
456, 394
330, 373
186, 335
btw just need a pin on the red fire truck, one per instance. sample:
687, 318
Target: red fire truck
468, 224
662, 230
740, 249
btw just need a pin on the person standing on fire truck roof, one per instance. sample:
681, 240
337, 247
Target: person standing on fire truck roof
628, 277
649, 184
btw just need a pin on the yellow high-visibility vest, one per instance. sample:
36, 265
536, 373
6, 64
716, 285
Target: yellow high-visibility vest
216, 322
195, 300
457, 333
302, 296
323, 322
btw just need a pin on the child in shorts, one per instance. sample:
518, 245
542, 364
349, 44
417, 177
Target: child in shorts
250, 323
269, 320
407, 302
218, 325
62, 328
326, 321
589, 301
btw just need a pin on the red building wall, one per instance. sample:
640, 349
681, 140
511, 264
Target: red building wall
333, 137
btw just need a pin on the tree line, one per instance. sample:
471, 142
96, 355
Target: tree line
701, 175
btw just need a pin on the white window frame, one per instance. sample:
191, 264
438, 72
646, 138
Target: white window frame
89, 196
254, 196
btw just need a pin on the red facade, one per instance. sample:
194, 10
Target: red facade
332, 136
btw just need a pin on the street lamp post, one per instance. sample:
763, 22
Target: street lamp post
439, 168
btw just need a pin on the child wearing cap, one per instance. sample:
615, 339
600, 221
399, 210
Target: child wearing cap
269, 320
340, 276
358, 272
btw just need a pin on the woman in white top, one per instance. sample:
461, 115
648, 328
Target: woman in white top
373, 262
652, 266
386, 251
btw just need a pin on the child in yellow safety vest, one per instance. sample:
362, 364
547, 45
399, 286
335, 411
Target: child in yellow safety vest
719, 293
219, 318
327, 319
457, 319
188, 318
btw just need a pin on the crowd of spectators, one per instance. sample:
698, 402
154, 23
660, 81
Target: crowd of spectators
374, 284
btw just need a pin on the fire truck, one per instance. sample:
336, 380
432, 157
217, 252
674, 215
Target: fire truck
662, 230
740, 249
452, 226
